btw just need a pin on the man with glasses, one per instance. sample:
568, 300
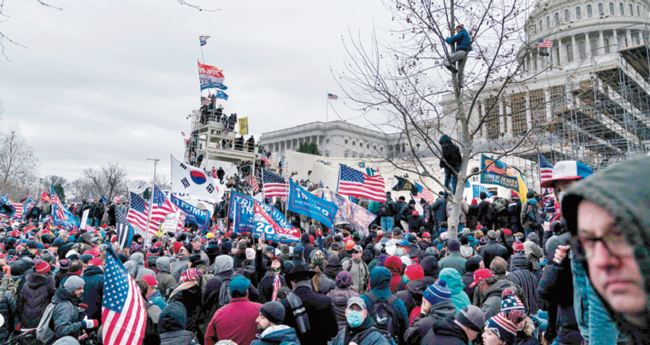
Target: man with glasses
607, 215
358, 269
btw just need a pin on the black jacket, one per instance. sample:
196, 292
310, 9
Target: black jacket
446, 332
66, 316
423, 324
322, 320
8, 311
412, 296
452, 158
34, 298
492, 250
556, 287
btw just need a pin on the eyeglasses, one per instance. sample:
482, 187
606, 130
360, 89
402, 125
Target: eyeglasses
614, 242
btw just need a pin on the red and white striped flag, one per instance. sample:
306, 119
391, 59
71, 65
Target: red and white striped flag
139, 211
124, 317
18, 214
545, 168
425, 193
252, 181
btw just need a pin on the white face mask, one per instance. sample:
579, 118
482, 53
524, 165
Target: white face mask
399, 252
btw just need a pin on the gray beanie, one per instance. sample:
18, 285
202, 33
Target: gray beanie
73, 283
273, 311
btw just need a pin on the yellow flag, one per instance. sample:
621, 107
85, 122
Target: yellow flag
243, 125
523, 190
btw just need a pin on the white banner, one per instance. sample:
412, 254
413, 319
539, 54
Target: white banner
171, 222
187, 179
138, 186
84, 219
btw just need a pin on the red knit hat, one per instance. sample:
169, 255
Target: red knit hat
517, 246
474, 202
41, 266
514, 194
414, 272
177, 247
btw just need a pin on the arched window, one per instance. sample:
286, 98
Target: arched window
631, 10
621, 8
611, 9
569, 51
540, 26
548, 22
578, 13
606, 46
589, 13
557, 18
567, 16
638, 11
601, 10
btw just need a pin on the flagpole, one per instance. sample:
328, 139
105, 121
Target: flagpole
153, 189
327, 106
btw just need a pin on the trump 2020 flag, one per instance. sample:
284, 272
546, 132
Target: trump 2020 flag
272, 231
307, 204
190, 180
124, 317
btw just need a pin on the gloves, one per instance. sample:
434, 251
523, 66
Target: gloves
89, 323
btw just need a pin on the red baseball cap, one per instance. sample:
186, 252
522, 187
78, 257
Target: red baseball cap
426, 235
479, 275
151, 280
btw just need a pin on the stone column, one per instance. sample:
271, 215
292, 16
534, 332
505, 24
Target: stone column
601, 40
574, 49
562, 47
628, 32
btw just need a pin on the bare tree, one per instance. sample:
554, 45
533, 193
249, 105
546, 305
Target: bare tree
18, 164
163, 182
403, 78
109, 180
52, 180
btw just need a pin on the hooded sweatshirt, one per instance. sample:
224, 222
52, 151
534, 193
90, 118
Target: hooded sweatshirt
624, 192
456, 286
394, 265
141, 270
171, 325
166, 283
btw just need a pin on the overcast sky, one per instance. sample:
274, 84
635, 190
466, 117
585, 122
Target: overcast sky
113, 80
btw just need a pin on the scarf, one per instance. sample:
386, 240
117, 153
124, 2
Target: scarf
183, 286
276, 286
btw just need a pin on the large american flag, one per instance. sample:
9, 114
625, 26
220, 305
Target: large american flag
545, 168
425, 193
274, 185
139, 210
252, 181
124, 316
355, 183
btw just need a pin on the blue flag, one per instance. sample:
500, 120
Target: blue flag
104, 200
194, 214
307, 204
7, 209
477, 189
467, 184
242, 212
221, 95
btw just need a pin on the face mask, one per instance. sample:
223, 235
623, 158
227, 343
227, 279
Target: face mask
355, 318
399, 252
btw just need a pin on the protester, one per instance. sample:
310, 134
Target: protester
343, 291
461, 329
171, 326
436, 305
359, 328
270, 327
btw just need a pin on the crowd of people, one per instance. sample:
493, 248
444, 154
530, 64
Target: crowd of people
574, 273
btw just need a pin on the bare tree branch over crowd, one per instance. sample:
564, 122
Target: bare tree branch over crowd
404, 79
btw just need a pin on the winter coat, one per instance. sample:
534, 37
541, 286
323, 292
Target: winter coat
326, 285
533, 252
339, 297
179, 266
492, 250
7, 309
397, 209
525, 220
446, 332
427, 218
141, 270
333, 267
471, 265
452, 158
34, 297
472, 217
360, 274
171, 326
396, 268
380, 281
319, 309
67, 318
490, 300
622, 191
455, 285
406, 212
222, 269
556, 287
366, 334
439, 210
423, 324
265, 287
235, 321
412, 296
462, 41
514, 213
277, 335
191, 300
166, 282
482, 217
93, 292
453, 260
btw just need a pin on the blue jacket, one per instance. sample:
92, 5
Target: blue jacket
158, 300
280, 335
93, 292
380, 283
462, 40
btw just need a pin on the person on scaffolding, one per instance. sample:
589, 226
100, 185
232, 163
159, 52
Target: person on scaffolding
463, 47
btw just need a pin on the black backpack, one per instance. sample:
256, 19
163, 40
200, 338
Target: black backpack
491, 213
384, 315
224, 292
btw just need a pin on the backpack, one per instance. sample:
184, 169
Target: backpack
414, 257
224, 292
385, 210
384, 315
491, 212
247, 272
44, 332
499, 205
299, 312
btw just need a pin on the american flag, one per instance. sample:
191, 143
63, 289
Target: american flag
495, 167
274, 185
265, 159
353, 182
276, 286
124, 233
425, 193
124, 316
542, 43
545, 168
252, 181
56, 202
18, 214
139, 210
204, 101
203, 40
332, 96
